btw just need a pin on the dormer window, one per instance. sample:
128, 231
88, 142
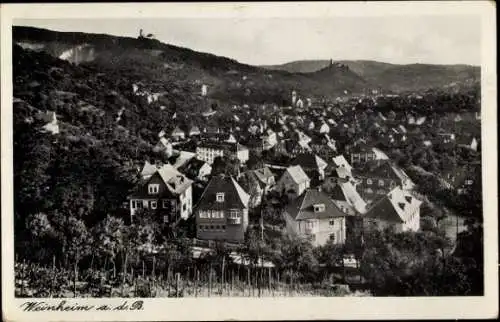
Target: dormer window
153, 188
219, 196
319, 207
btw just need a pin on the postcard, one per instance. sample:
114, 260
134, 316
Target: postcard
249, 161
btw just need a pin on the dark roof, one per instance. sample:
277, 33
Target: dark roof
308, 161
303, 207
234, 195
233, 147
396, 206
192, 165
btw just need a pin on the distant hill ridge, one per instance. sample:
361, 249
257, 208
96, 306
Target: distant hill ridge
229, 80
395, 77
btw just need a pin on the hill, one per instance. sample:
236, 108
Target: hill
393, 77
149, 60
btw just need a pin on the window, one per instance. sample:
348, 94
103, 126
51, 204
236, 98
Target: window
381, 183
468, 182
211, 227
153, 204
220, 196
165, 219
368, 190
203, 214
368, 181
133, 204
223, 227
234, 214
319, 207
184, 207
309, 224
165, 204
332, 222
153, 188
381, 192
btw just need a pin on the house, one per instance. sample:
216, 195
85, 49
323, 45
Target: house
314, 215
324, 128
222, 212
468, 142
362, 153
340, 161
164, 145
445, 138
344, 194
398, 209
50, 119
377, 180
269, 139
148, 170
313, 165
181, 158
254, 144
208, 151
194, 131
167, 192
178, 134
293, 182
196, 169
257, 183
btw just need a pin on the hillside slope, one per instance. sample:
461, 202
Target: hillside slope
151, 61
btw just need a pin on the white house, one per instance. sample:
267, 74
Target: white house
314, 215
293, 182
398, 209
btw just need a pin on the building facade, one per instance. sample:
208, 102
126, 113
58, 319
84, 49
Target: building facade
167, 192
222, 212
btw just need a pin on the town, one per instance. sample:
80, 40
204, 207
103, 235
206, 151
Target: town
306, 195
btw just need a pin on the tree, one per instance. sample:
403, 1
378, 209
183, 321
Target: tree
224, 165
409, 264
255, 161
109, 238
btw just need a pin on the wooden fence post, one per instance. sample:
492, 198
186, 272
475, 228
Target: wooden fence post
248, 280
269, 279
210, 281
53, 275
177, 281
197, 273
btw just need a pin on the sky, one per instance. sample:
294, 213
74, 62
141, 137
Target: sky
441, 39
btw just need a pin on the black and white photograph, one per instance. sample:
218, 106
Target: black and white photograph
248, 157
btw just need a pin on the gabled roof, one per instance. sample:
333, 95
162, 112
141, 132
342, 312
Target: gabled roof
194, 129
386, 170
192, 166
263, 174
177, 130
396, 206
297, 174
175, 181
309, 161
345, 191
234, 195
148, 170
302, 208
341, 161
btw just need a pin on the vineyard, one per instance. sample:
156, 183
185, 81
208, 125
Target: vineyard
33, 280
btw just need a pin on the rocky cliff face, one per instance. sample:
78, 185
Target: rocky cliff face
79, 54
